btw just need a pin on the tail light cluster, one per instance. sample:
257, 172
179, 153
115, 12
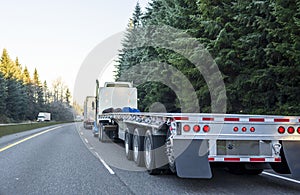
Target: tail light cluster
244, 129
290, 130
196, 128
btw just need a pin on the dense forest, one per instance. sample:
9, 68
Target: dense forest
23, 96
255, 44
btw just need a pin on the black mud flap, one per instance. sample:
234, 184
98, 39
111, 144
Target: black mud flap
292, 154
192, 159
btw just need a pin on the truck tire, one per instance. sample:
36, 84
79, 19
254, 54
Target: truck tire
128, 146
149, 154
138, 147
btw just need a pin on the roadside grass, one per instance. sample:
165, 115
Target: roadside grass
11, 129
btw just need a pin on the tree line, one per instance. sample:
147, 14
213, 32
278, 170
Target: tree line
256, 45
23, 96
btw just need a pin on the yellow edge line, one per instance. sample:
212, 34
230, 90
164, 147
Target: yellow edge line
27, 138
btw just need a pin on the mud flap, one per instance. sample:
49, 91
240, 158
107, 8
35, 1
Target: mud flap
292, 154
192, 159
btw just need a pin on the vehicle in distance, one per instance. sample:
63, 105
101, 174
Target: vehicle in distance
89, 112
43, 116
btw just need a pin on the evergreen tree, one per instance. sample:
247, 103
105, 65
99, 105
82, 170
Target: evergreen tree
26, 76
10, 69
6, 65
38, 90
18, 72
46, 92
68, 97
129, 54
3, 97
36, 79
14, 99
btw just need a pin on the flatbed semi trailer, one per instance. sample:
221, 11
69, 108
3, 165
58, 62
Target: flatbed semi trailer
189, 143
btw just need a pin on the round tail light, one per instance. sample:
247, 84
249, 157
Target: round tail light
298, 130
291, 130
244, 129
186, 128
196, 128
235, 129
281, 130
206, 128
252, 129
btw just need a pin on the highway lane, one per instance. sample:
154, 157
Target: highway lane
56, 162
69, 160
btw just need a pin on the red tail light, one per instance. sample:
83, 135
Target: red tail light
281, 130
244, 129
196, 128
186, 128
252, 129
298, 130
206, 128
291, 130
235, 129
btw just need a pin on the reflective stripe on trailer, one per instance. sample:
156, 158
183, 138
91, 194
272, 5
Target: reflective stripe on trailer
243, 159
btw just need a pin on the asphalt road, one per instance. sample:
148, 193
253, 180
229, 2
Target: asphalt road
67, 159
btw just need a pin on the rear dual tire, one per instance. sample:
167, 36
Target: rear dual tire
128, 146
149, 154
138, 148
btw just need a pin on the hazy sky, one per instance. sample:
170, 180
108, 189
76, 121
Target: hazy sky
55, 36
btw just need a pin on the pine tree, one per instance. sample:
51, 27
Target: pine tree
26, 76
14, 99
68, 97
18, 72
10, 69
129, 55
46, 92
6, 65
3, 96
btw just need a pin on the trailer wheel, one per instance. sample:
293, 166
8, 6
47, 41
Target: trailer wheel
128, 145
149, 156
138, 147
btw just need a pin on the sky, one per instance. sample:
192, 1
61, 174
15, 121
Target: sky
55, 36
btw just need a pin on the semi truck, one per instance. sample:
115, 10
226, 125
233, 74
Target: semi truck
43, 116
89, 112
188, 144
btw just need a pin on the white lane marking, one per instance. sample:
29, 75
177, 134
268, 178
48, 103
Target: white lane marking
105, 165
28, 138
86, 141
281, 177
